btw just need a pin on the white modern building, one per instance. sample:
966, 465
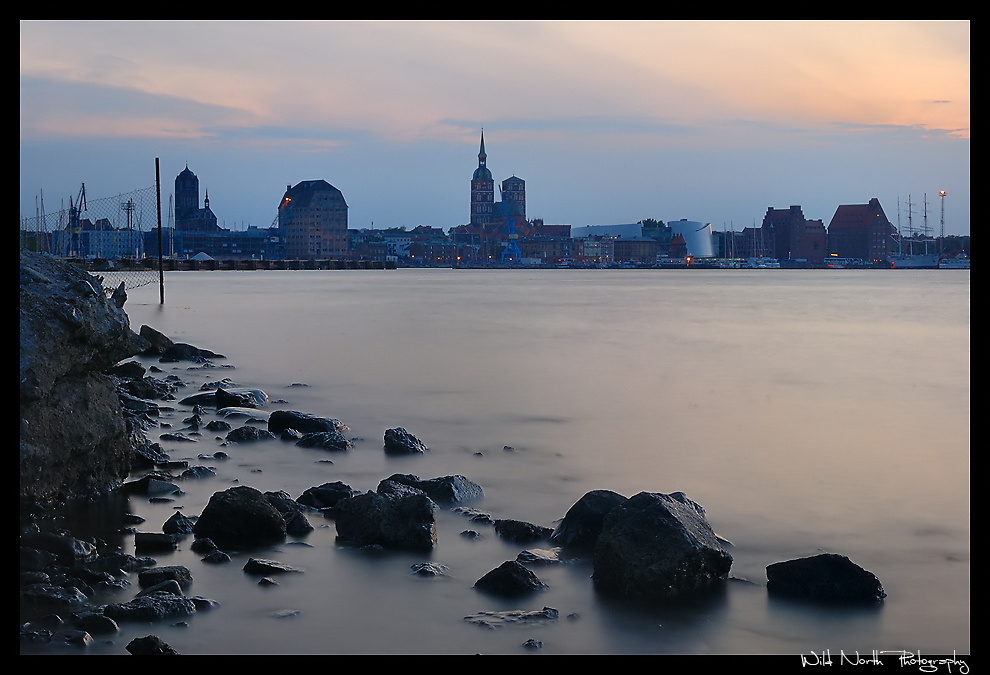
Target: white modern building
697, 236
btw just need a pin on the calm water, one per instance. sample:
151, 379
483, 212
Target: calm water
806, 410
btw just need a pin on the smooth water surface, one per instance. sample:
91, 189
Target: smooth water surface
806, 410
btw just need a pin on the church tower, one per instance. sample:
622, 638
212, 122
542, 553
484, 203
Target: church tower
482, 190
186, 195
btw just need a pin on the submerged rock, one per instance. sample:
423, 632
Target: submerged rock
510, 578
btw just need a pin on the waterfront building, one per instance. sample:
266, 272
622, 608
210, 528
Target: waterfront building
697, 237
793, 236
312, 221
189, 216
861, 231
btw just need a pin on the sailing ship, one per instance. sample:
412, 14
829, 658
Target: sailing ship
909, 259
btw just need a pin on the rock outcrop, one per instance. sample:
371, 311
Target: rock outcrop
658, 546
74, 440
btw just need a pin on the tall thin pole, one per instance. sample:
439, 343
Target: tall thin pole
161, 269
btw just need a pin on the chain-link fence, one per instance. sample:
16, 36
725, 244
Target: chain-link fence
115, 238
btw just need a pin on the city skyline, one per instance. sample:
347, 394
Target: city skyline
607, 122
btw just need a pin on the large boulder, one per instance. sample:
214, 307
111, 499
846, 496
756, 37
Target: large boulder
658, 546
74, 440
241, 515
400, 519
583, 522
828, 577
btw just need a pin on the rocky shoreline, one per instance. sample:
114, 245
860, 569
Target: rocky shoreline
85, 415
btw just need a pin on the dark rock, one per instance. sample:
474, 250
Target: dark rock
240, 514
658, 546
218, 425
197, 472
150, 485
539, 556
53, 595
333, 441
67, 550
146, 542
265, 567
169, 351
398, 441
824, 578
152, 607
178, 524
583, 521
325, 496
445, 490
296, 524
248, 434
403, 522
156, 575
150, 645
429, 569
521, 532
94, 623
280, 420
515, 616
510, 578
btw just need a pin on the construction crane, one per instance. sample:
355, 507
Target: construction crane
74, 226
511, 252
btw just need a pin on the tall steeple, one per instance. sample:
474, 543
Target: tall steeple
482, 189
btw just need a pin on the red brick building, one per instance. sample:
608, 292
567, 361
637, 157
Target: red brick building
861, 231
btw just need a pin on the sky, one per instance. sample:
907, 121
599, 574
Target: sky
608, 122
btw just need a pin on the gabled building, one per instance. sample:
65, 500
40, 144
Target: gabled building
861, 231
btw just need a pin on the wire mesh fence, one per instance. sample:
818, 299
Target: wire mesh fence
115, 238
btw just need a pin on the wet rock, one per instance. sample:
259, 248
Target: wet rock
333, 441
157, 575
398, 441
429, 569
510, 579
248, 434
582, 523
511, 617
325, 496
280, 420
152, 607
444, 490
264, 567
179, 524
242, 515
828, 577
658, 546
403, 522
150, 645
521, 532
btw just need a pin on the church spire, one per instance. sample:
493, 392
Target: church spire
482, 157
